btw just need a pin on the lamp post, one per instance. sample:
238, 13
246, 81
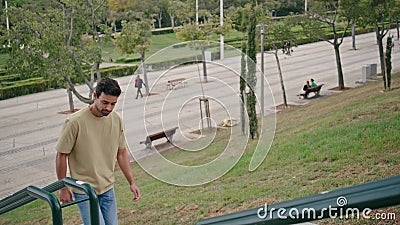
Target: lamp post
7, 23
305, 6
197, 12
262, 25
221, 21
5, 5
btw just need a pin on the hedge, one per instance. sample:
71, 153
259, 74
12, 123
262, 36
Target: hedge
19, 88
118, 71
10, 87
8, 78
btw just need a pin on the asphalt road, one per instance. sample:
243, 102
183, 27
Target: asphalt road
30, 125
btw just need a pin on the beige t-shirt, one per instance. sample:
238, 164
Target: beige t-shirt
92, 144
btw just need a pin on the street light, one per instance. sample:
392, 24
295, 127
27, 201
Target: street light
221, 21
7, 23
262, 25
197, 12
305, 6
5, 5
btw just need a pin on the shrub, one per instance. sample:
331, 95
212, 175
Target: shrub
24, 87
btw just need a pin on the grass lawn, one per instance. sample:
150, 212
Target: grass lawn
158, 42
336, 141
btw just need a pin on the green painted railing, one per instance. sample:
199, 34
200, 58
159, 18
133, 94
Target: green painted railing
32, 193
347, 202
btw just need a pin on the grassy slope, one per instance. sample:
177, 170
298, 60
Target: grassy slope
337, 141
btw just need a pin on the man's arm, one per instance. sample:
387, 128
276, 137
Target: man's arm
124, 164
61, 170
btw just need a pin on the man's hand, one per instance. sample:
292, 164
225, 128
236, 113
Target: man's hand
135, 191
65, 195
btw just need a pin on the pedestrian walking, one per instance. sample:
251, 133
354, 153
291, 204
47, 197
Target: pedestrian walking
139, 84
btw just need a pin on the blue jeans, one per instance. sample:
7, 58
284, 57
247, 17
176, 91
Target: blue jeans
107, 208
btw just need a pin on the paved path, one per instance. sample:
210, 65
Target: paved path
30, 125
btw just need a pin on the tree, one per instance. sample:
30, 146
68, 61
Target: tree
60, 43
352, 9
162, 9
185, 12
172, 9
240, 18
325, 13
135, 37
36, 50
85, 50
251, 72
281, 37
116, 10
396, 16
377, 13
200, 37
142, 10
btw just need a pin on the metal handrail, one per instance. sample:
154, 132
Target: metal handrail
31, 193
371, 195
51, 200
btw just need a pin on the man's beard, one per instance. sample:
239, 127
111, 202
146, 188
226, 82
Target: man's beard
103, 112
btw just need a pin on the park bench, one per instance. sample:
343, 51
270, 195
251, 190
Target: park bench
168, 134
172, 83
315, 90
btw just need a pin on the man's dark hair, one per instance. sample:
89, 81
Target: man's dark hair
108, 86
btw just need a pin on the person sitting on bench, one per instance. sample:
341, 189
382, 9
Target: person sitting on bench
305, 88
313, 84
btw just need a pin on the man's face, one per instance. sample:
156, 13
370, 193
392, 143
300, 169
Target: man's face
105, 103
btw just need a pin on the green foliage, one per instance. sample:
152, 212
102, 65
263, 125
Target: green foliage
135, 37
192, 32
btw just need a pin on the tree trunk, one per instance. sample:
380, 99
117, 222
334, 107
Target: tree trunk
145, 73
114, 26
173, 22
353, 35
242, 82
70, 100
281, 78
203, 53
398, 30
159, 20
388, 64
381, 54
97, 66
339, 64
76, 93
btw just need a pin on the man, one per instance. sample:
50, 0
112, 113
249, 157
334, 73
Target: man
138, 84
91, 141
